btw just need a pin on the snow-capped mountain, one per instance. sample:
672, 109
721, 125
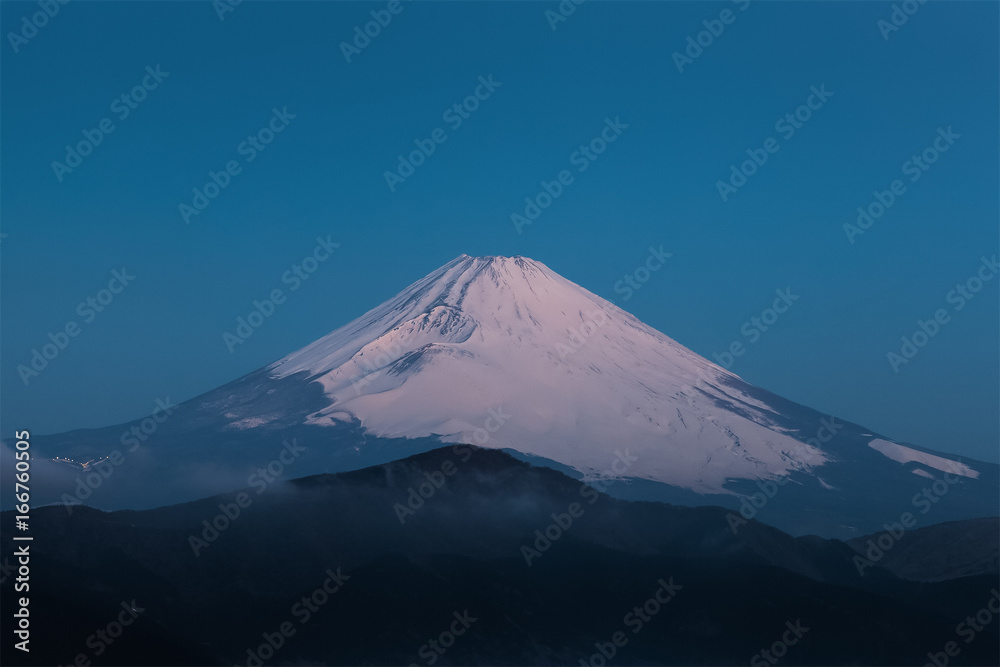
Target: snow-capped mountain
575, 376
503, 352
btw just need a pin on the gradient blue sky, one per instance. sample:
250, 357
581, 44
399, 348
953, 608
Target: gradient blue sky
655, 185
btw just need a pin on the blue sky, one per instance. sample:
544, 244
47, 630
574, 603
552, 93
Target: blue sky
323, 175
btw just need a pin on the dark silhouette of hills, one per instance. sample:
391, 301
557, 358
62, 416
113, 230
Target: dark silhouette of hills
942, 551
400, 584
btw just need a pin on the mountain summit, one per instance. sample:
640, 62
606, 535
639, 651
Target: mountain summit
574, 376
503, 352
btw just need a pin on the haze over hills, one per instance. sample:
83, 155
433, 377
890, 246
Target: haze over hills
548, 568
505, 353
352, 445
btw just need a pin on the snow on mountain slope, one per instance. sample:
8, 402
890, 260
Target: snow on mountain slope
902, 454
579, 378
575, 381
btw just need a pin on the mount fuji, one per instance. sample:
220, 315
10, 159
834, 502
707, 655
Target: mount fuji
504, 353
